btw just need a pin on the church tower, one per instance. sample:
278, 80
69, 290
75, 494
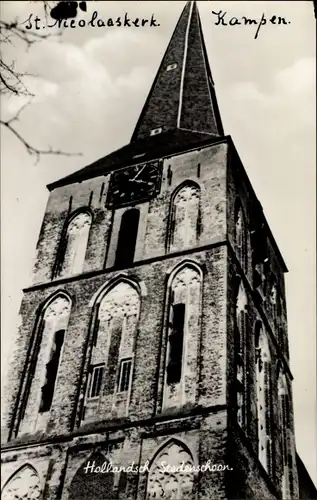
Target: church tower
152, 357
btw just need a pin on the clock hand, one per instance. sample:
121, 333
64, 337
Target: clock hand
139, 181
137, 175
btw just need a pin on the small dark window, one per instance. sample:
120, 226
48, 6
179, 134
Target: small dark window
95, 381
174, 367
185, 218
124, 375
127, 237
51, 372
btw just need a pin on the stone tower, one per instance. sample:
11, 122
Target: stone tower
154, 336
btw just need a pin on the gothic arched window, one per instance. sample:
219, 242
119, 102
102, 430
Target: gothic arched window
183, 325
185, 217
127, 237
73, 245
111, 363
264, 398
23, 485
91, 485
240, 236
45, 361
241, 330
286, 436
160, 484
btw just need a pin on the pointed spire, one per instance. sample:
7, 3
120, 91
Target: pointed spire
182, 95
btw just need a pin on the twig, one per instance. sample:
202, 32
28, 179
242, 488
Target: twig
11, 81
31, 149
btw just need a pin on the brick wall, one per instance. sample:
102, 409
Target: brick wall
153, 226
147, 379
259, 309
57, 464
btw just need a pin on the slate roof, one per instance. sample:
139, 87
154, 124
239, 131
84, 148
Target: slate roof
159, 146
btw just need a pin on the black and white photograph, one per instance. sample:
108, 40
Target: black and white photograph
158, 250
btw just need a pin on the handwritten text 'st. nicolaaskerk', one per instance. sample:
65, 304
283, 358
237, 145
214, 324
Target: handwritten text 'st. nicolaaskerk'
94, 22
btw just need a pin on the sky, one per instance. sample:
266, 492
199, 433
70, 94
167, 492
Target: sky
90, 85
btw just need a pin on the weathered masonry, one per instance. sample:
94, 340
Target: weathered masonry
155, 329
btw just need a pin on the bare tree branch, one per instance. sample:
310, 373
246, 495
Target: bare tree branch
32, 150
7, 85
12, 81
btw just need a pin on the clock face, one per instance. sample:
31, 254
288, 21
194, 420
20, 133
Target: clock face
134, 184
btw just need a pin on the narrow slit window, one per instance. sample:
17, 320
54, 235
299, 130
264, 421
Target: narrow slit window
185, 219
169, 175
51, 372
95, 381
174, 367
124, 375
127, 237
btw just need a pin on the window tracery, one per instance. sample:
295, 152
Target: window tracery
185, 217
73, 245
23, 485
114, 333
173, 485
182, 336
